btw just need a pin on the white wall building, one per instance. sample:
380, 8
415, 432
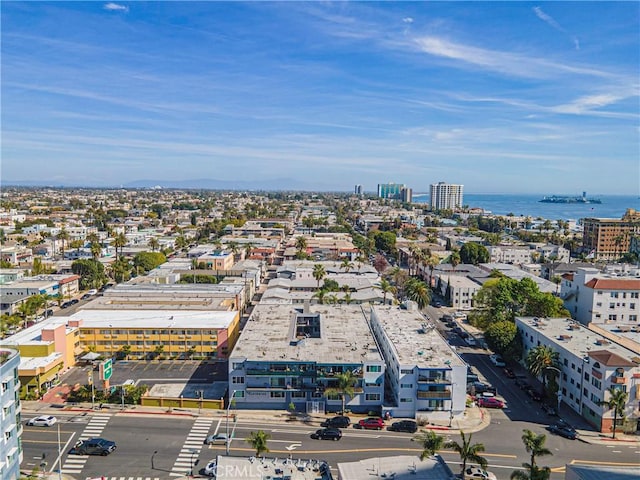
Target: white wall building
445, 196
594, 297
589, 365
511, 254
10, 423
424, 376
458, 291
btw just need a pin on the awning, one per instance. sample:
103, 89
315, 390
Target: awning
90, 356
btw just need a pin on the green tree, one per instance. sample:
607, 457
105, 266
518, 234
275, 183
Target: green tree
386, 287
345, 384
617, 402
91, 273
540, 360
418, 291
63, 236
430, 442
474, 253
469, 452
346, 265
318, 272
301, 243
147, 261
154, 244
119, 241
454, 259
502, 337
258, 441
531, 473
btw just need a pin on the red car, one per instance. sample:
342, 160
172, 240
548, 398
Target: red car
371, 423
490, 402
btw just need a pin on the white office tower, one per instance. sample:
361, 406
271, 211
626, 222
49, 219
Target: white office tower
445, 196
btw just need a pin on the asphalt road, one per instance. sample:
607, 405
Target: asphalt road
138, 437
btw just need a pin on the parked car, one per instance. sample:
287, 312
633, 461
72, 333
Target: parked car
549, 410
472, 378
93, 291
408, 426
509, 373
481, 388
74, 301
489, 402
521, 382
66, 305
210, 469
217, 439
337, 422
371, 423
334, 434
533, 393
42, 421
497, 360
86, 296
469, 340
564, 430
93, 446
48, 312
477, 473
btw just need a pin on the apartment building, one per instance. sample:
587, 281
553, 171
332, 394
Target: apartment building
446, 196
457, 290
423, 374
595, 297
610, 238
511, 254
392, 191
589, 365
10, 416
293, 355
145, 334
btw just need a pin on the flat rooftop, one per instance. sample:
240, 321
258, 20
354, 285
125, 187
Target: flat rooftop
577, 338
345, 336
415, 339
401, 466
165, 319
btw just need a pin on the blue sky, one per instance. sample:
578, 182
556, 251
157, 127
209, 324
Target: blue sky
501, 97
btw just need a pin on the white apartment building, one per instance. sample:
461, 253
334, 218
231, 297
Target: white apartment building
589, 365
457, 290
10, 422
515, 255
424, 376
445, 196
594, 297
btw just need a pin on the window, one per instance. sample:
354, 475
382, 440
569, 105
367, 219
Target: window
406, 400
374, 368
277, 394
406, 371
573, 366
236, 380
612, 305
298, 394
613, 317
596, 383
633, 318
236, 365
238, 394
632, 306
372, 397
586, 376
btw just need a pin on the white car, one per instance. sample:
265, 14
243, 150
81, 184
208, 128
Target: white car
497, 360
477, 473
42, 421
219, 439
93, 291
210, 469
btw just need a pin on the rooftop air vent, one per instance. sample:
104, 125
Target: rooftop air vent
564, 337
602, 341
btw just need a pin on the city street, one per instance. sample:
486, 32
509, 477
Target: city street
162, 446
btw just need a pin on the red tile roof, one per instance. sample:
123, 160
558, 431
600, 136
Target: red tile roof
614, 283
610, 359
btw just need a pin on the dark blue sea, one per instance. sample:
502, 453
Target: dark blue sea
612, 206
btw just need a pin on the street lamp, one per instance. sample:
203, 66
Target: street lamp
559, 385
228, 440
153, 467
193, 464
59, 455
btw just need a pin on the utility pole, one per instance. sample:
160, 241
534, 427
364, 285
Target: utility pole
93, 390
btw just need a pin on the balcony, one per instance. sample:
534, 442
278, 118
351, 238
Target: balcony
440, 395
618, 380
434, 380
281, 373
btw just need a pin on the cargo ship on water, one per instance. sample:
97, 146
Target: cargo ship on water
568, 199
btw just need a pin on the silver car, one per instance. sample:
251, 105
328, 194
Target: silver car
42, 421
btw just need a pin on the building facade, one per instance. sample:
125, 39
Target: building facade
392, 191
446, 196
423, 374
594, 297
610, 238
287, 355
589, 365
10, 416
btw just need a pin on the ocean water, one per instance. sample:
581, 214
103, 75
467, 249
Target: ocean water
612, 206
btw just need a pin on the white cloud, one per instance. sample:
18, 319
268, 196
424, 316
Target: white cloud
548, 19
407, 20
115, 7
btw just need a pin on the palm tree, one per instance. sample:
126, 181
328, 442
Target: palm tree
63, 236
431, 442
454, 259
534, 444
258, 440
346, 265
154, 244
617, 402
301, 243
119, 241
386, 287
318, 271
345, 387
467, 451
539, 359
531, 473
418, 291
320, 294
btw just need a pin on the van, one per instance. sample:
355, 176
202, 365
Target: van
471, 341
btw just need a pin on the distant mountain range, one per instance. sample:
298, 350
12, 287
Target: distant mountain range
276, 184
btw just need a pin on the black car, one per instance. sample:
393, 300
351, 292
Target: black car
74, 301
564, 430
337, 422
66, 305
481, 388
93, 446
327, 434
86, 296
408, 426
533, 394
